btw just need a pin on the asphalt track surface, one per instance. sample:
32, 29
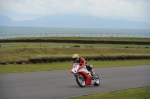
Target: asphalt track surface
61, 83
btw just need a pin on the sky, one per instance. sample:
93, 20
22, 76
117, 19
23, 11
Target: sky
132, 10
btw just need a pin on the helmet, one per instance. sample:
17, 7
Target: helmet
75, 57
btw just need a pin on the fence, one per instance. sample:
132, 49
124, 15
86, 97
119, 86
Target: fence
35, 35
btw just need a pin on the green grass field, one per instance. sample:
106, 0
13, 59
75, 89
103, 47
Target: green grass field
67, 66
136, 93
24, 51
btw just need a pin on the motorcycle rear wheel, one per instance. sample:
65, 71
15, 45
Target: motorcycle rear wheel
80, 81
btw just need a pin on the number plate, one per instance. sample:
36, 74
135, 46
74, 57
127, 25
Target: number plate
75, 66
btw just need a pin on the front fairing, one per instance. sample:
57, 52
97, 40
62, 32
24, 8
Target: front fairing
75, 68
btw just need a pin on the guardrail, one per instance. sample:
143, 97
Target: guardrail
35, 35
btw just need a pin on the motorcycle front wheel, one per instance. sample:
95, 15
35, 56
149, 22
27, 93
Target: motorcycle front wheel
80, 81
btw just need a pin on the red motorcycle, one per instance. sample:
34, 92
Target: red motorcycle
83, 76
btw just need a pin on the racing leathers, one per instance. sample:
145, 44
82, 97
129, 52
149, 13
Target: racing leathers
83, 62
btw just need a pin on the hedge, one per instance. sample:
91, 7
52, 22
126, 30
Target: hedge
80, 41
65, 59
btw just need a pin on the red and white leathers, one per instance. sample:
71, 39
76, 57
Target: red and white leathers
83, 62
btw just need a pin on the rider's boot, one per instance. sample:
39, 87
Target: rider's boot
92, 72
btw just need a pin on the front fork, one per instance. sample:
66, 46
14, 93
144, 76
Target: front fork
80, 75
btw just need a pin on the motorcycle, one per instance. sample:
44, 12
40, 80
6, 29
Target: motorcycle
83, 76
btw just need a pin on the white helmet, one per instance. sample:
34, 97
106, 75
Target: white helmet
75, 57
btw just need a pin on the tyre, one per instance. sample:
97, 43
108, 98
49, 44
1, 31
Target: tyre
97, 80
80, 81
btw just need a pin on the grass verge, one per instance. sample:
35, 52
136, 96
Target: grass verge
136, 93
51, 45
17, 54
88, 38
67, 65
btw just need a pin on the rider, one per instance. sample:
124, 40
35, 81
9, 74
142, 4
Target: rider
77, 59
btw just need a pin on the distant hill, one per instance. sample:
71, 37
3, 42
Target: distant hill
5, 21
74, 21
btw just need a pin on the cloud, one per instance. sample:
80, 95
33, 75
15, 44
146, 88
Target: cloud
121, 9
134, 10
24, 9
